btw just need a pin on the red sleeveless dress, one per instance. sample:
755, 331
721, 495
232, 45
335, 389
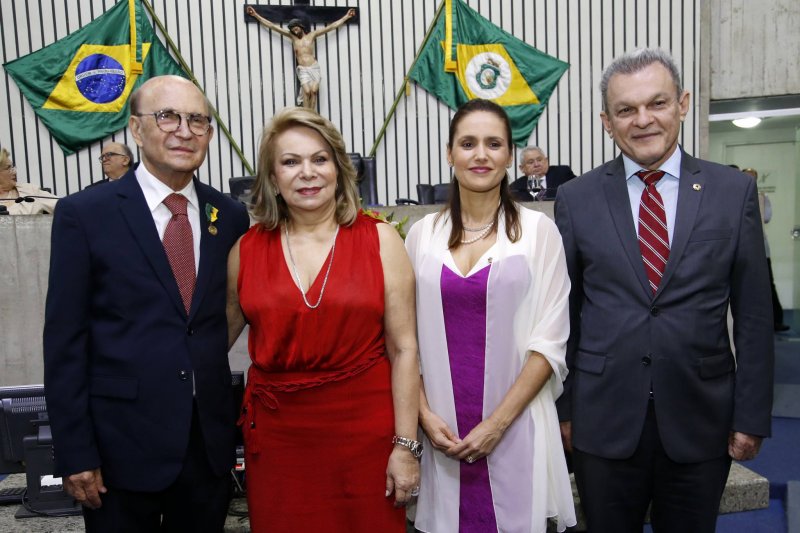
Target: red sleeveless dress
318, 415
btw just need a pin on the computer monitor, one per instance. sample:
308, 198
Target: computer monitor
26, 445
21, 409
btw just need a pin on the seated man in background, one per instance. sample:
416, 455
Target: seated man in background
116, 159
539, 180
21, 198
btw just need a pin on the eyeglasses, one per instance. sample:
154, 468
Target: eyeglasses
9, 168
169, 121
106, 156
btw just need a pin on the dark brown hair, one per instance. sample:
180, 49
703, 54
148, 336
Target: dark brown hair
509, 207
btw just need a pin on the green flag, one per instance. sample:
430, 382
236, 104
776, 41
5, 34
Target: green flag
468, 57
79, 85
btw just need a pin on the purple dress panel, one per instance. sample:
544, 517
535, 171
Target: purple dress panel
464, 309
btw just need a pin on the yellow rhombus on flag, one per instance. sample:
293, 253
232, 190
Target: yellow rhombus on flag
80, 85
66, 94
487, 71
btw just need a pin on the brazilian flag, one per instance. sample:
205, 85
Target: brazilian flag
468, 57
79, 85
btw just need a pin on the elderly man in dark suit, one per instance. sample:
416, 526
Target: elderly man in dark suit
116, 159
659, 245
539, 180
137, 378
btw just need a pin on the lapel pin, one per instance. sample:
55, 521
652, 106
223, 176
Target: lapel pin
697, 186
211, 216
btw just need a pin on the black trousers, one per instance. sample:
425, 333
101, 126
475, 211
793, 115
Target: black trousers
196, 502
615, 493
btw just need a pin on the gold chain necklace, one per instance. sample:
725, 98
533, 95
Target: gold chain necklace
297, 274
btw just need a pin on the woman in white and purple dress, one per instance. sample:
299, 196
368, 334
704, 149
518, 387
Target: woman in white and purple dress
492, 315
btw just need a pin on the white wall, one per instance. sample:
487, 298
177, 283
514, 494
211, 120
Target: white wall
247, 73
755, 48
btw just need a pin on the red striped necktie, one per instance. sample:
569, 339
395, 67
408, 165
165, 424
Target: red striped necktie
653, 235
179, 245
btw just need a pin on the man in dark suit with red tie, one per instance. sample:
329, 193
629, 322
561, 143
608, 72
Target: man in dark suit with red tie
540, 180
659, 245
137, 378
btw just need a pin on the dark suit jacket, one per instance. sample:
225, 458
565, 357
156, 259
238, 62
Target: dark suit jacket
121, 356
557, 175
102, 181
623, 339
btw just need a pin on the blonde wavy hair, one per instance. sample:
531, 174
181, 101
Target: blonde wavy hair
269, 208
4, 157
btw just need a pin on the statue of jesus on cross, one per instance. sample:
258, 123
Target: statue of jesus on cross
309, 72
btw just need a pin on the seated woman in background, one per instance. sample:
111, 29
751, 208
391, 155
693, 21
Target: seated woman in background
492, 314
331, 405
35, 200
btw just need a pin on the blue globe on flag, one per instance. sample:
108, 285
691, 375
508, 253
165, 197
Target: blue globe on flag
100, 78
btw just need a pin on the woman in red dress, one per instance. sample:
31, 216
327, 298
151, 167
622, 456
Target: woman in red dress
331, 404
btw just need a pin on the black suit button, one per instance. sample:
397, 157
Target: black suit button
189, 331
646, 360
183, 375
654, 311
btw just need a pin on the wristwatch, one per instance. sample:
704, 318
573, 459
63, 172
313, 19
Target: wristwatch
414, 446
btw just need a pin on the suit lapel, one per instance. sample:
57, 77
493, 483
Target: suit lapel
208, 248
685, 215
616, 191
140, 221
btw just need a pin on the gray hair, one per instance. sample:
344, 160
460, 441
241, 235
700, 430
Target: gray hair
531, 148
635, 61
127, 153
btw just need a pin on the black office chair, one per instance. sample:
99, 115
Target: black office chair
428, 195
242, 188
366, 177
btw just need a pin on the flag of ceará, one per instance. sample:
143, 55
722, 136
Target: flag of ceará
468, 57
79, 86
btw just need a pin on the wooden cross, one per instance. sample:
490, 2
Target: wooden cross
276, 15
300, 10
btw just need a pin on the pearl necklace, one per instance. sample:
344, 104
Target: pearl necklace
297, 274
483, 233
482, 228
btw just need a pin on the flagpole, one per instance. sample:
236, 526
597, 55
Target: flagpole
405, 80
186, 69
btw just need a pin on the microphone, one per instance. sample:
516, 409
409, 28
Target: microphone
30, 198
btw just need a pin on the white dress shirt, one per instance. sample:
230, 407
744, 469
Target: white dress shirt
154, 193
667, 187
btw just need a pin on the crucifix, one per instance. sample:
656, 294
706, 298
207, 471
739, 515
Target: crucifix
300, 16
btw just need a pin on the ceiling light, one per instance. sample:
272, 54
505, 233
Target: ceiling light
747, 122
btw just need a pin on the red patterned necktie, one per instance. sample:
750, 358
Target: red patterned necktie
179, 245
653, 235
